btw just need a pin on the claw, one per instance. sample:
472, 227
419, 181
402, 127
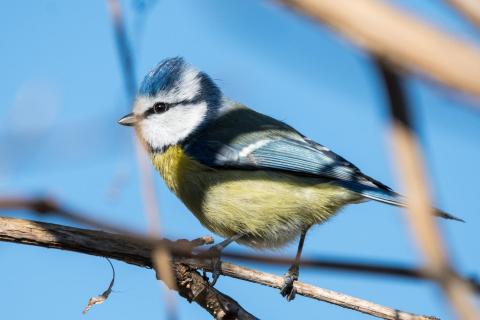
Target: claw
288, 290
216, 269
214, 253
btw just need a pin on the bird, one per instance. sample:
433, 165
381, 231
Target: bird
245, 176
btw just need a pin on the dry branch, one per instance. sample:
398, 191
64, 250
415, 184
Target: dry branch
190, 284
398, 37
310, 291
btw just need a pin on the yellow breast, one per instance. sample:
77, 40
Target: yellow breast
175, 167
270, 208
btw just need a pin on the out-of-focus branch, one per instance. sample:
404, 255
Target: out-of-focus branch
151, 208
398, 37
123, 48
469, 8
45, 206
189, 283
420, 211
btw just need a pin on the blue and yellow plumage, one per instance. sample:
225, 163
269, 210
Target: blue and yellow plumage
245, 176
269, 208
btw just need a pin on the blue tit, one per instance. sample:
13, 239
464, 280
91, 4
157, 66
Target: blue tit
246, 176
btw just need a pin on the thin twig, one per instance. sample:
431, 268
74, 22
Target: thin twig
120, 248
308, 290
420, 211
391, 34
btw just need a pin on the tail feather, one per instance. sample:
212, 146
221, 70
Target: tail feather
446, 215
388, 196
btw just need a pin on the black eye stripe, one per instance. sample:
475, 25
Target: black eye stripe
161, 107
158, 107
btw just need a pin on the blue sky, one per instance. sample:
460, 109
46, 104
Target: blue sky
61, 93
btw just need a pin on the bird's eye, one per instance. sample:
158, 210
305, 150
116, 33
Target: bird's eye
160, 107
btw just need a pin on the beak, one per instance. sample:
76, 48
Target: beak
128, 120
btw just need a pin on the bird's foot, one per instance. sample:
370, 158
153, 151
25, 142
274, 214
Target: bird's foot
288, 290
214, 252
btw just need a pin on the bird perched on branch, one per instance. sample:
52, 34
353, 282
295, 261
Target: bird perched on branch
244, 175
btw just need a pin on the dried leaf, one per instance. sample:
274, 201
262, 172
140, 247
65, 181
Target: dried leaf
104, 296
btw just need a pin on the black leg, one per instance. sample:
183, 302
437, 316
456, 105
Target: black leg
216, 251
291, 276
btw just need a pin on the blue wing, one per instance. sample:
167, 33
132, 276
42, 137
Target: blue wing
263, 143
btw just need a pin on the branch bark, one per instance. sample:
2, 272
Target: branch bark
190, 283
391, 34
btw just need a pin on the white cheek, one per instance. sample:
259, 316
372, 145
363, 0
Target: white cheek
171, 127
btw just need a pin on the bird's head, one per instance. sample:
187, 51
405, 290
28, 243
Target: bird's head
174, 100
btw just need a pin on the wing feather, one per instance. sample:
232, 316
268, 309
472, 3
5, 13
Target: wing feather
263, 143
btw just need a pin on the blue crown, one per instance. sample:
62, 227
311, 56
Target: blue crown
167, 76
163, 77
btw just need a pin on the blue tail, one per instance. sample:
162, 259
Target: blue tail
382, 193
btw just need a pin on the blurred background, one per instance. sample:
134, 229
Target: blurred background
62, 91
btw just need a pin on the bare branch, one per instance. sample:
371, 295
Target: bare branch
309, 291
192, 286
123, 48
391, 34
119, 247
125, 249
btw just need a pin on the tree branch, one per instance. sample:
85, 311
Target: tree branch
189, 282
